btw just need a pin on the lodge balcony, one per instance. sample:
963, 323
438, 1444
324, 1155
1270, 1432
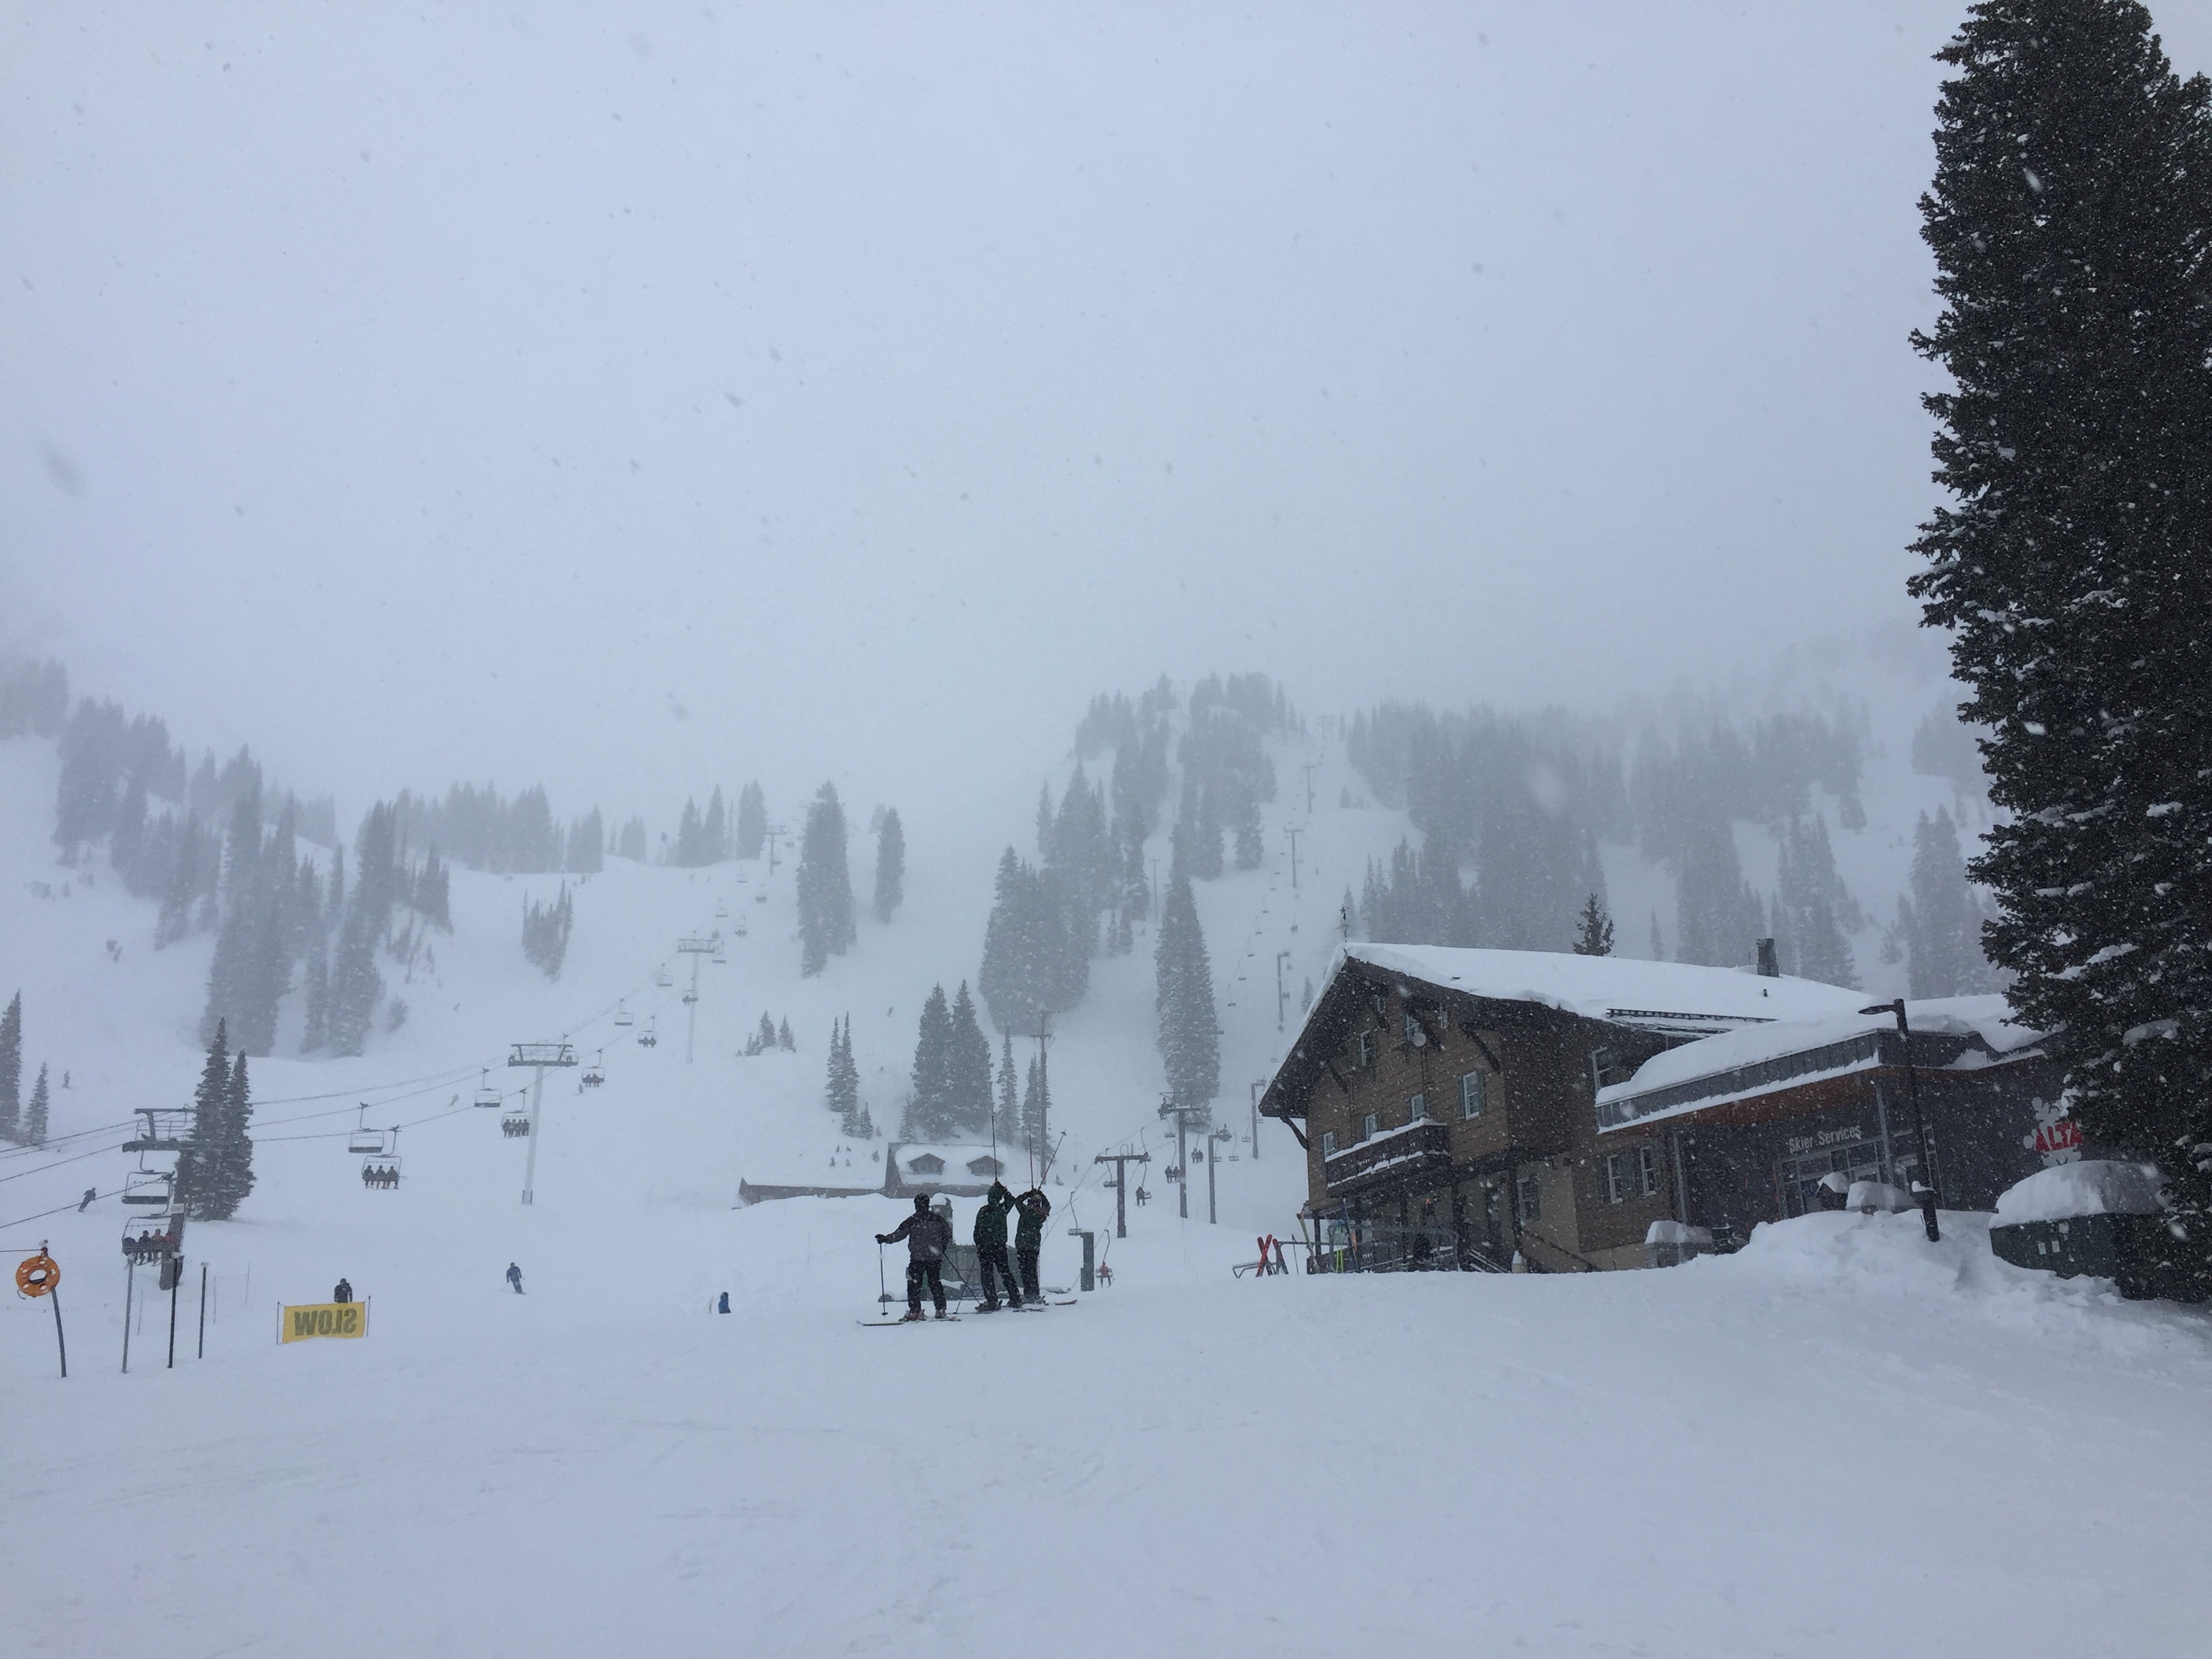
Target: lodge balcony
1384, 1159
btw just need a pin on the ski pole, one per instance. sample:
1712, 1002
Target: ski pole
883, 1291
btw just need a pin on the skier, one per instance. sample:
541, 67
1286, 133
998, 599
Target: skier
343, 1293
85, 1202
722, 1304
927, 1236
514, 1277
992, 1266
1029, 1240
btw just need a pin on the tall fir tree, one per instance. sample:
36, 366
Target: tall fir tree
11, 1068
1811, 910
34, 1115
891, 865
929, 1109
198, 1165
967, 1067
1592, 930
1006, 1108
752, 822
843, 1094
1940, 925
1189, 1044
825, 885
2068, 216
1037, 1115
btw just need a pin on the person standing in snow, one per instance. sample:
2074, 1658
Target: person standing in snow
722, 1305
514, 1277
1029, 1238
343, 1292
991, 1264
927, 1236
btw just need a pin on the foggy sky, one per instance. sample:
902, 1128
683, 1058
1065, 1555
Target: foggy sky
798, 390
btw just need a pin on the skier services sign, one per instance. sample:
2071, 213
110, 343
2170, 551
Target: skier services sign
314, 1319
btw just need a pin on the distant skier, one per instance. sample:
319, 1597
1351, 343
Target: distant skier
1029, 1239
343, 1292
722, 1303
82, 1204
514, 1277
927, 1236
992, 1266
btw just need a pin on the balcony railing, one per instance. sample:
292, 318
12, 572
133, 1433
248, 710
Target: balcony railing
1407, 1150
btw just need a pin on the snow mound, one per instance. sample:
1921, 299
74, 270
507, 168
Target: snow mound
2090, 1187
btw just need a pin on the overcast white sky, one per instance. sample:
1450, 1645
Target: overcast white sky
467, 393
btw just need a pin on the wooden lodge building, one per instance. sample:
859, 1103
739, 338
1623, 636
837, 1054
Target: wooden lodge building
1463, 1108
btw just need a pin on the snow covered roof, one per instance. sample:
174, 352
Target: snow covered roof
1753, 1060
952, 1163
1663, 995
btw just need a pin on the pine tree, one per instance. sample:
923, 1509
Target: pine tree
198, 1166
1006, 1115
11, 1068
1811, 908
317, 1032
1592, 930
752, 822
929, 1110
715, 830
1189, 1044
1718, 916
1036, 1113
545, 929
825, 885
1941, 925
234, 1161
34, 1115
784, 1039
967, 1067
2068, 214
891, 865
843, 1091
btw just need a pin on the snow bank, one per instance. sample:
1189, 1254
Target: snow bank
1867, 1196
1676, 1232
2091, 1187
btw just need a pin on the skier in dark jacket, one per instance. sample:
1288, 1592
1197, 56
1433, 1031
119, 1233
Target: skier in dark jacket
991, 1263
514, 1277
1029, 1238
927, 1236
342, 1292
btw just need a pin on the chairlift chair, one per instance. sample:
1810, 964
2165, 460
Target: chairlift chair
690, 996
363, 1140
720, 908
650, 1037
381, 1174
623, 1016
516, 1122
595, 1073
487, 1096
150, 1187
720, 957
662, 978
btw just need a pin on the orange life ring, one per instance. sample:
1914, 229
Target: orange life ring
37, 1274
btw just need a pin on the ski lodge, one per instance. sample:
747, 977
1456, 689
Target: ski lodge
956, 1170
1466, 1107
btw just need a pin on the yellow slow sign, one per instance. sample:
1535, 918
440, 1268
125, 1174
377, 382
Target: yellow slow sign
324, 1319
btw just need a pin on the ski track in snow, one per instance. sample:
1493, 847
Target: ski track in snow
1839, 1434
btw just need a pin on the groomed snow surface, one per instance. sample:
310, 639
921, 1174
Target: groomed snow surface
1840, 1440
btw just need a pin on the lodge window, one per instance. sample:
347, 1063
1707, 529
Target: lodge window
1413, 1034
1632, 1173
1368, 1125
1528, 1200
1607, 1068
1329, 1143
1474, 1094
1363, 1050
1417, 1108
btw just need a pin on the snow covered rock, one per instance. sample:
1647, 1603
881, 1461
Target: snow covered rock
2091, 1187
2097, 1218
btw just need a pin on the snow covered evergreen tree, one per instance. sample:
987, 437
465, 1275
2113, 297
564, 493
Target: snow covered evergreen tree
1036, 1113
33, 1132
825, 885
1717, 915
1189, 1044
1812, 910
545, 929
891, 865
1006, 1109
843, 1091
1592, 930
1940, 925
752, 821
967, 1067
929, 1109
11, 1068
2069, 215
200, 1175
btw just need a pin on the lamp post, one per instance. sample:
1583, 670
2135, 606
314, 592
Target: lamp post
1926, 1193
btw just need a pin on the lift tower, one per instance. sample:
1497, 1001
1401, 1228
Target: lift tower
539, 1057
695, 947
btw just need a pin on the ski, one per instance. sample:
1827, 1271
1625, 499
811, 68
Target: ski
949, 1319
